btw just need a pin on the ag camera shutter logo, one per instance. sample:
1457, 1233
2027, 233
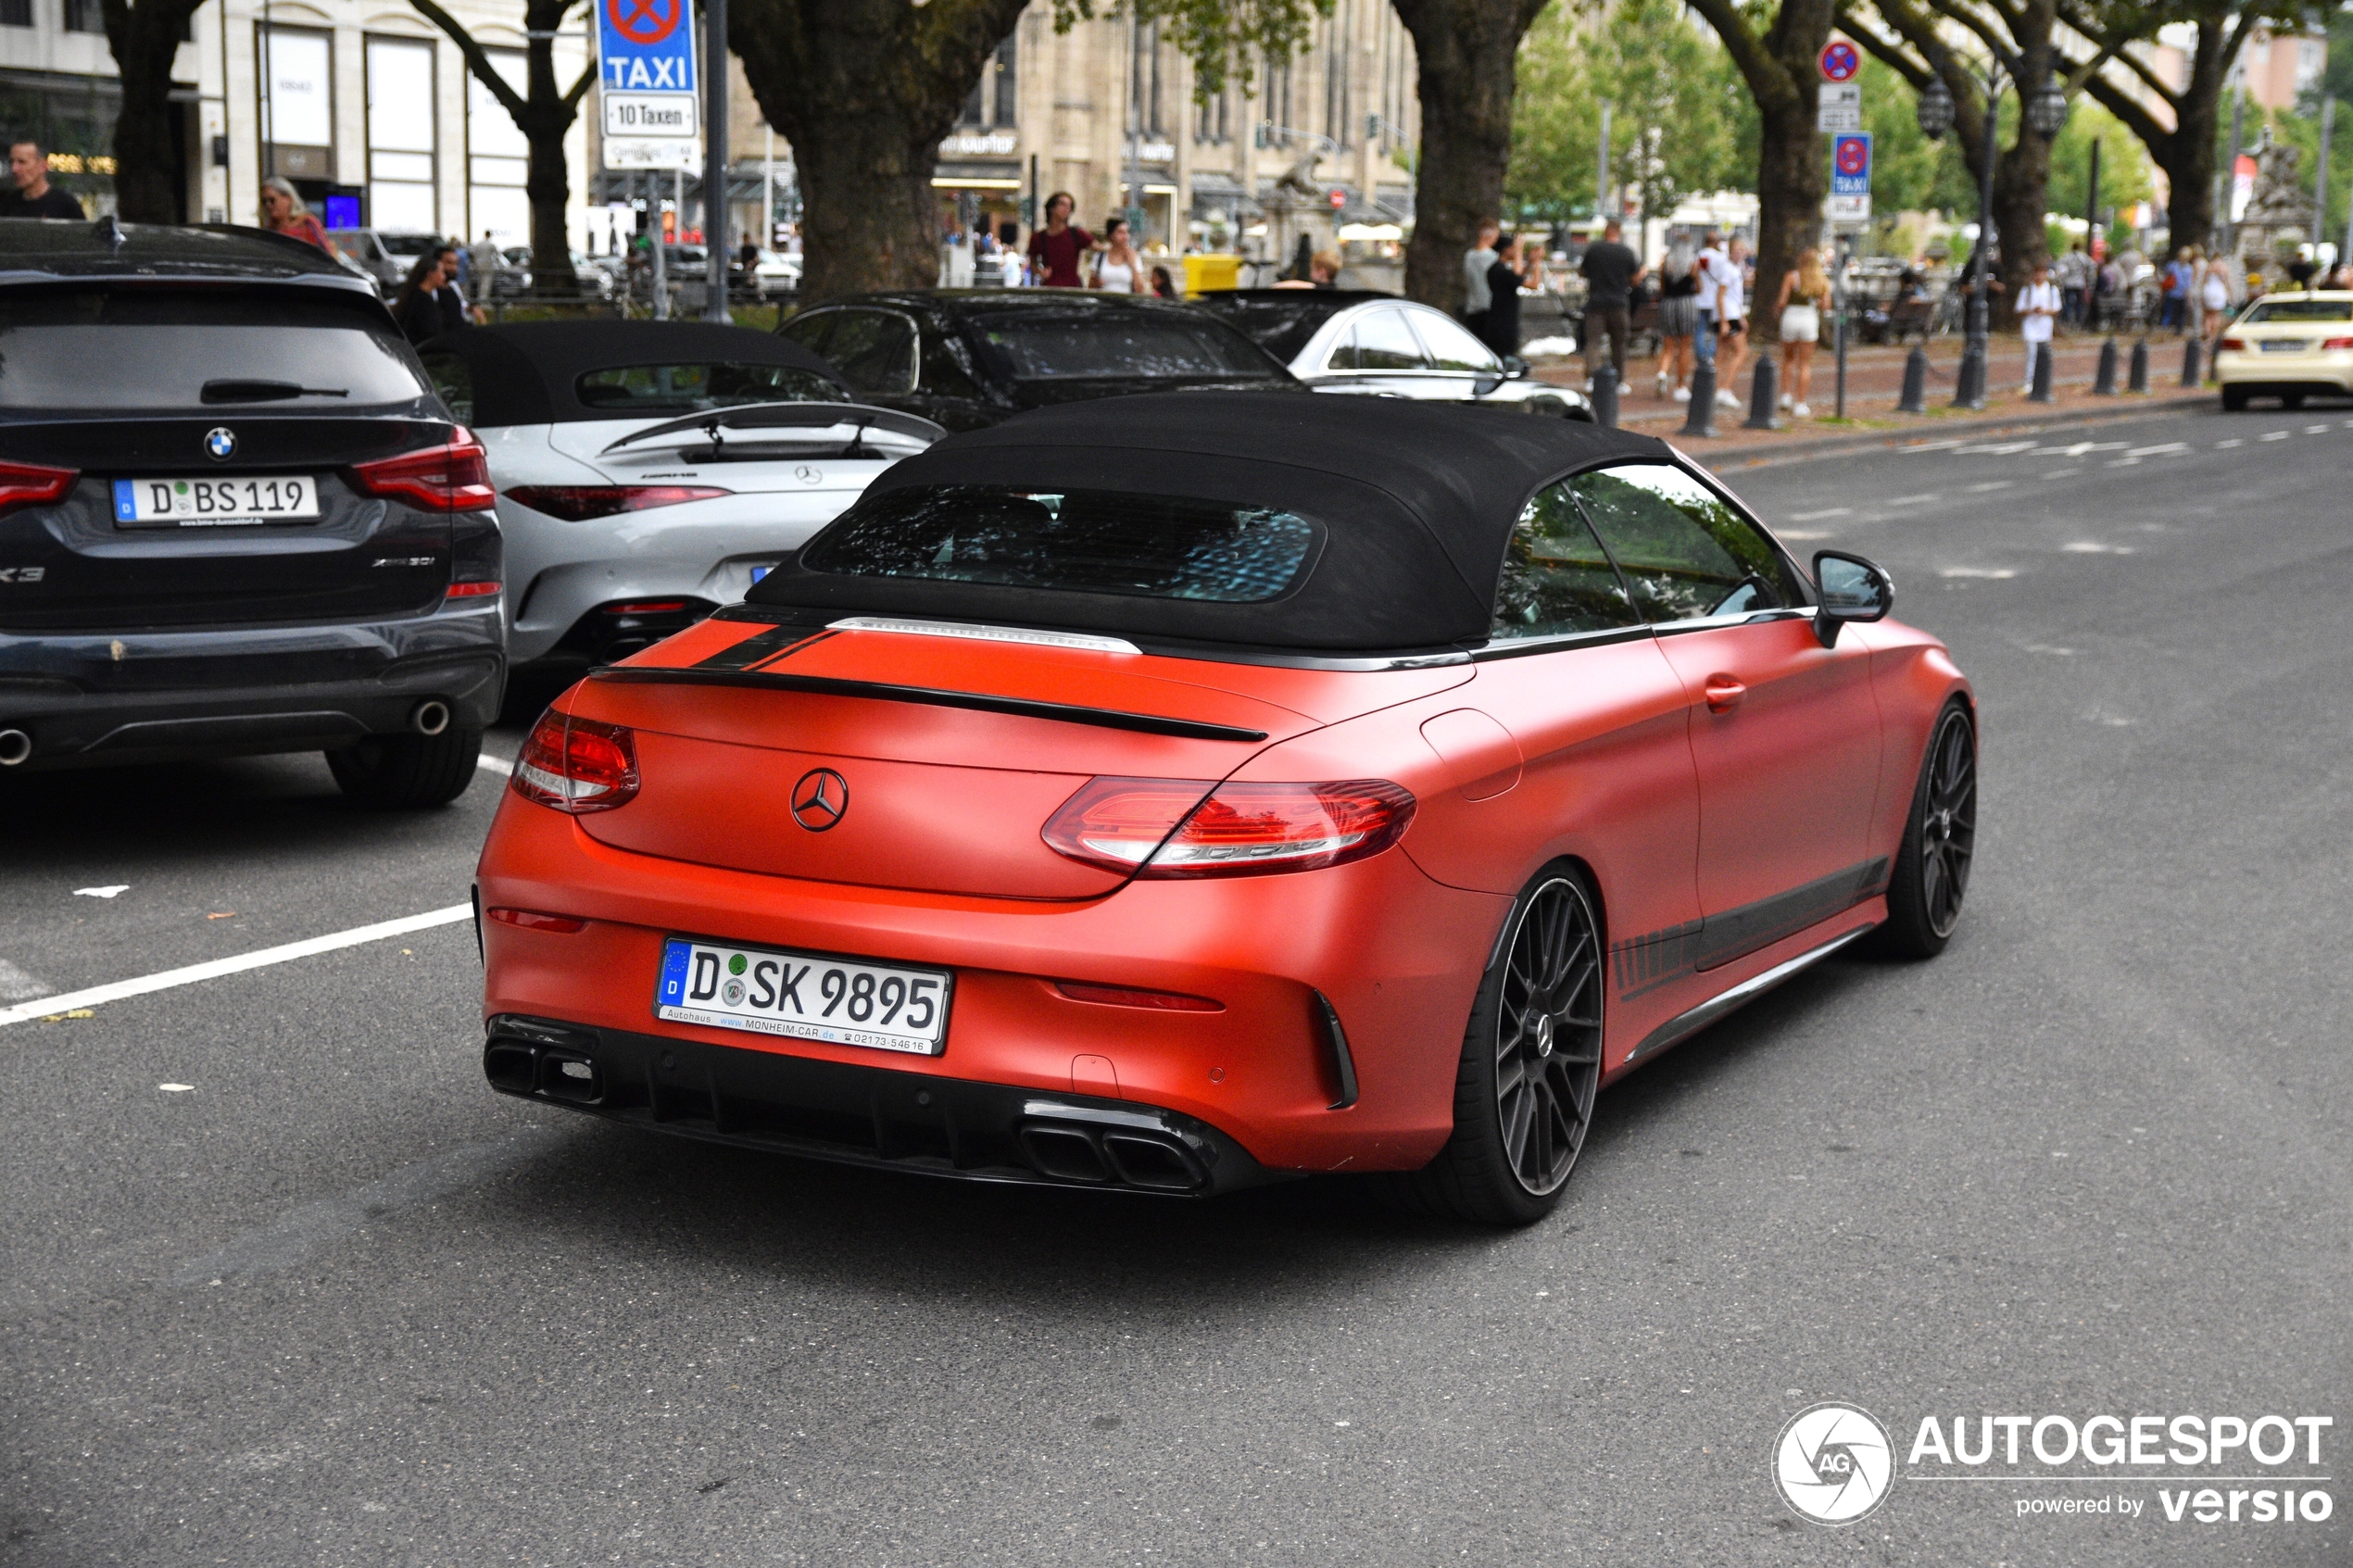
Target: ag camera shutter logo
1833, 1463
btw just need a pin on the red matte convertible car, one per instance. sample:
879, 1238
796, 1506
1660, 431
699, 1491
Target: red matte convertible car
1172, 793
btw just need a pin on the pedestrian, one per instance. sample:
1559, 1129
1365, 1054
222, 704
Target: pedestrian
1055, 249
1732, 314
1805, 291
284, 213
1611, 271
1712, 268
2038, 307
1513, 272
1322, 270
2214, 295
1163, 285
2074, 281
1121, 271
1476, 261
2108, 286
2179, 274
483, 261
449, 295
1678, 319
30, 194
414, 307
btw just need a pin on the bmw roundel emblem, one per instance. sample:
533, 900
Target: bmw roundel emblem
221, 441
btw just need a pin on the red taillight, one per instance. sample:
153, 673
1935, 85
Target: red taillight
1129, 997
578, 503
1161, 828
31, 484
647, 607
472, 590
454, 478
577, 765
2238, 344
2335, 343
534, 920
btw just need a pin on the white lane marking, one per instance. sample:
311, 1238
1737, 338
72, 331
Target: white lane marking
1913, 501
2158, 451
175, 1088
2045, 648
497, 765
1816, 517
1997, 573
2124, 462
2077, 449
1989, 484
2094, 547
2062, 473
214, 969
1937, 446
108, 892
2274, 436
16, 986
2226, 445
1807, 534
1995, 448
2316, 429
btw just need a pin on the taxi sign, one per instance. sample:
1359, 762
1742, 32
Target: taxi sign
1850, 177
646, 84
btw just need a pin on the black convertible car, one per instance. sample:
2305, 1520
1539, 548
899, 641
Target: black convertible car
967, 359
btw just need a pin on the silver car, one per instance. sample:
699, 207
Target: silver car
1360, 340
649, 473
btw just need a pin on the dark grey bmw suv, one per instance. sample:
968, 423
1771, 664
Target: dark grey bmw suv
234, 516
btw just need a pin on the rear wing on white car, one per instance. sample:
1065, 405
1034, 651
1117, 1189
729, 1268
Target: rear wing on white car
882, 433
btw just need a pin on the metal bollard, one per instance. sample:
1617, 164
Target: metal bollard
1604, 396
2042, 391
1914, 398
2190, 373
1763, 397
2140, 381
1968, 386
1701, 419
2104, 386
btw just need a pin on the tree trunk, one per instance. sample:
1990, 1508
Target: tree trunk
2189, 154
1467, 53
865, 90
2021, 179
548, 176
148, 182
1793, 175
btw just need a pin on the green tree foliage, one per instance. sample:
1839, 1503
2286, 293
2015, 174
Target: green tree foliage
2124, 165
1682, 122
1909, 173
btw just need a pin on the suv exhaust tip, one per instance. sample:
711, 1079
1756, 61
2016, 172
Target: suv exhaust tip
428, 718
16, 746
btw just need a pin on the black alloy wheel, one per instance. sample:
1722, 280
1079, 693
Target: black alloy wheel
1531, 1064
1940, 841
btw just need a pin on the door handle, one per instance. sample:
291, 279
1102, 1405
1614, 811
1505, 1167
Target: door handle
1724, 693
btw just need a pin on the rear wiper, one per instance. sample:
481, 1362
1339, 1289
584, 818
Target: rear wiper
237, 390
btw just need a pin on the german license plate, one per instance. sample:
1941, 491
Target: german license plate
804, 996
2285, 345
214, 502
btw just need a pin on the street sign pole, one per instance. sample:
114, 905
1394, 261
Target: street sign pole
714, 162
649, 106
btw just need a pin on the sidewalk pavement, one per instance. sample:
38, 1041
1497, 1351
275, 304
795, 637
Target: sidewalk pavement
1874, 381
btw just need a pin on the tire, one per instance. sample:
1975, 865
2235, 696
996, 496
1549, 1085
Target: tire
1524, 1090
404, 773
2234, 400
1940, 840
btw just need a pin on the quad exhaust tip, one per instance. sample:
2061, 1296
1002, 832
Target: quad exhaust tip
16, 746
428, 718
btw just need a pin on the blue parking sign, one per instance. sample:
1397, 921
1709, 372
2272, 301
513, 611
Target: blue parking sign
646, 84
1851, 164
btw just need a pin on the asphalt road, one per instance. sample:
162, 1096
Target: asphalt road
336, 1302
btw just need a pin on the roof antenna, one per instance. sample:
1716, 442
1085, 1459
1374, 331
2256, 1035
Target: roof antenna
111, 232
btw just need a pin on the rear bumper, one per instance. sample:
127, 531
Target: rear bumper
2262, 374
93, 698
859, 1115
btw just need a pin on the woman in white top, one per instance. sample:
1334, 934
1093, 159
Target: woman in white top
1121, 271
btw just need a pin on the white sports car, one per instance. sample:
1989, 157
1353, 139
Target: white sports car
650, 472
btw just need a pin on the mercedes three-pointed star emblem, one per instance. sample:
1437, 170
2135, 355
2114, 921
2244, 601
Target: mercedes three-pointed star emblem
820, 798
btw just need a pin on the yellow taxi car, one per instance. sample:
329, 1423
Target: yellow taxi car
2288, 346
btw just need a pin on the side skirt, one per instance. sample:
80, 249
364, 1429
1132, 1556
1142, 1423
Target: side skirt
1684, 1025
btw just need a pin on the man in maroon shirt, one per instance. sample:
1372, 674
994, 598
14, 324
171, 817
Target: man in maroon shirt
1055, 249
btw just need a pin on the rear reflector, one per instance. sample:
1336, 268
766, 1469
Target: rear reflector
2238, 344
1126, 997
578, 503
31, 484
452, 478
577, 765
472, 590
533, 919
1162, 829
2336, 343
650, 606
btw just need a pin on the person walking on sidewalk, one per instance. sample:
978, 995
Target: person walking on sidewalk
1678, 319
1713, 269
1476, 262
1515, 269
1804, 291
1610, 271
2038, 307
2074, 271
1732, 315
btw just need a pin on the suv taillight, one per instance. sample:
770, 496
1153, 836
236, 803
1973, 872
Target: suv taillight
1163, 829
577, 765
454, 478
578, 503
31, 484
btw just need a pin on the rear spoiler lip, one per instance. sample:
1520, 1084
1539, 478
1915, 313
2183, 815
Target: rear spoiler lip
983, 702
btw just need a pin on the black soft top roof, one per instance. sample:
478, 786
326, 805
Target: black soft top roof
528, 374
67, 249
1416, 500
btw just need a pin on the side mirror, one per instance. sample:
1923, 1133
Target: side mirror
1851, 588
1515, 368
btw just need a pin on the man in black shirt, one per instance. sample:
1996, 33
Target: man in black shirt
1610, 271
33, 197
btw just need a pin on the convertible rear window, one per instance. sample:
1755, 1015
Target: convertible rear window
1080, 541
159, 347
2297, 310
690, 388
1126, 344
